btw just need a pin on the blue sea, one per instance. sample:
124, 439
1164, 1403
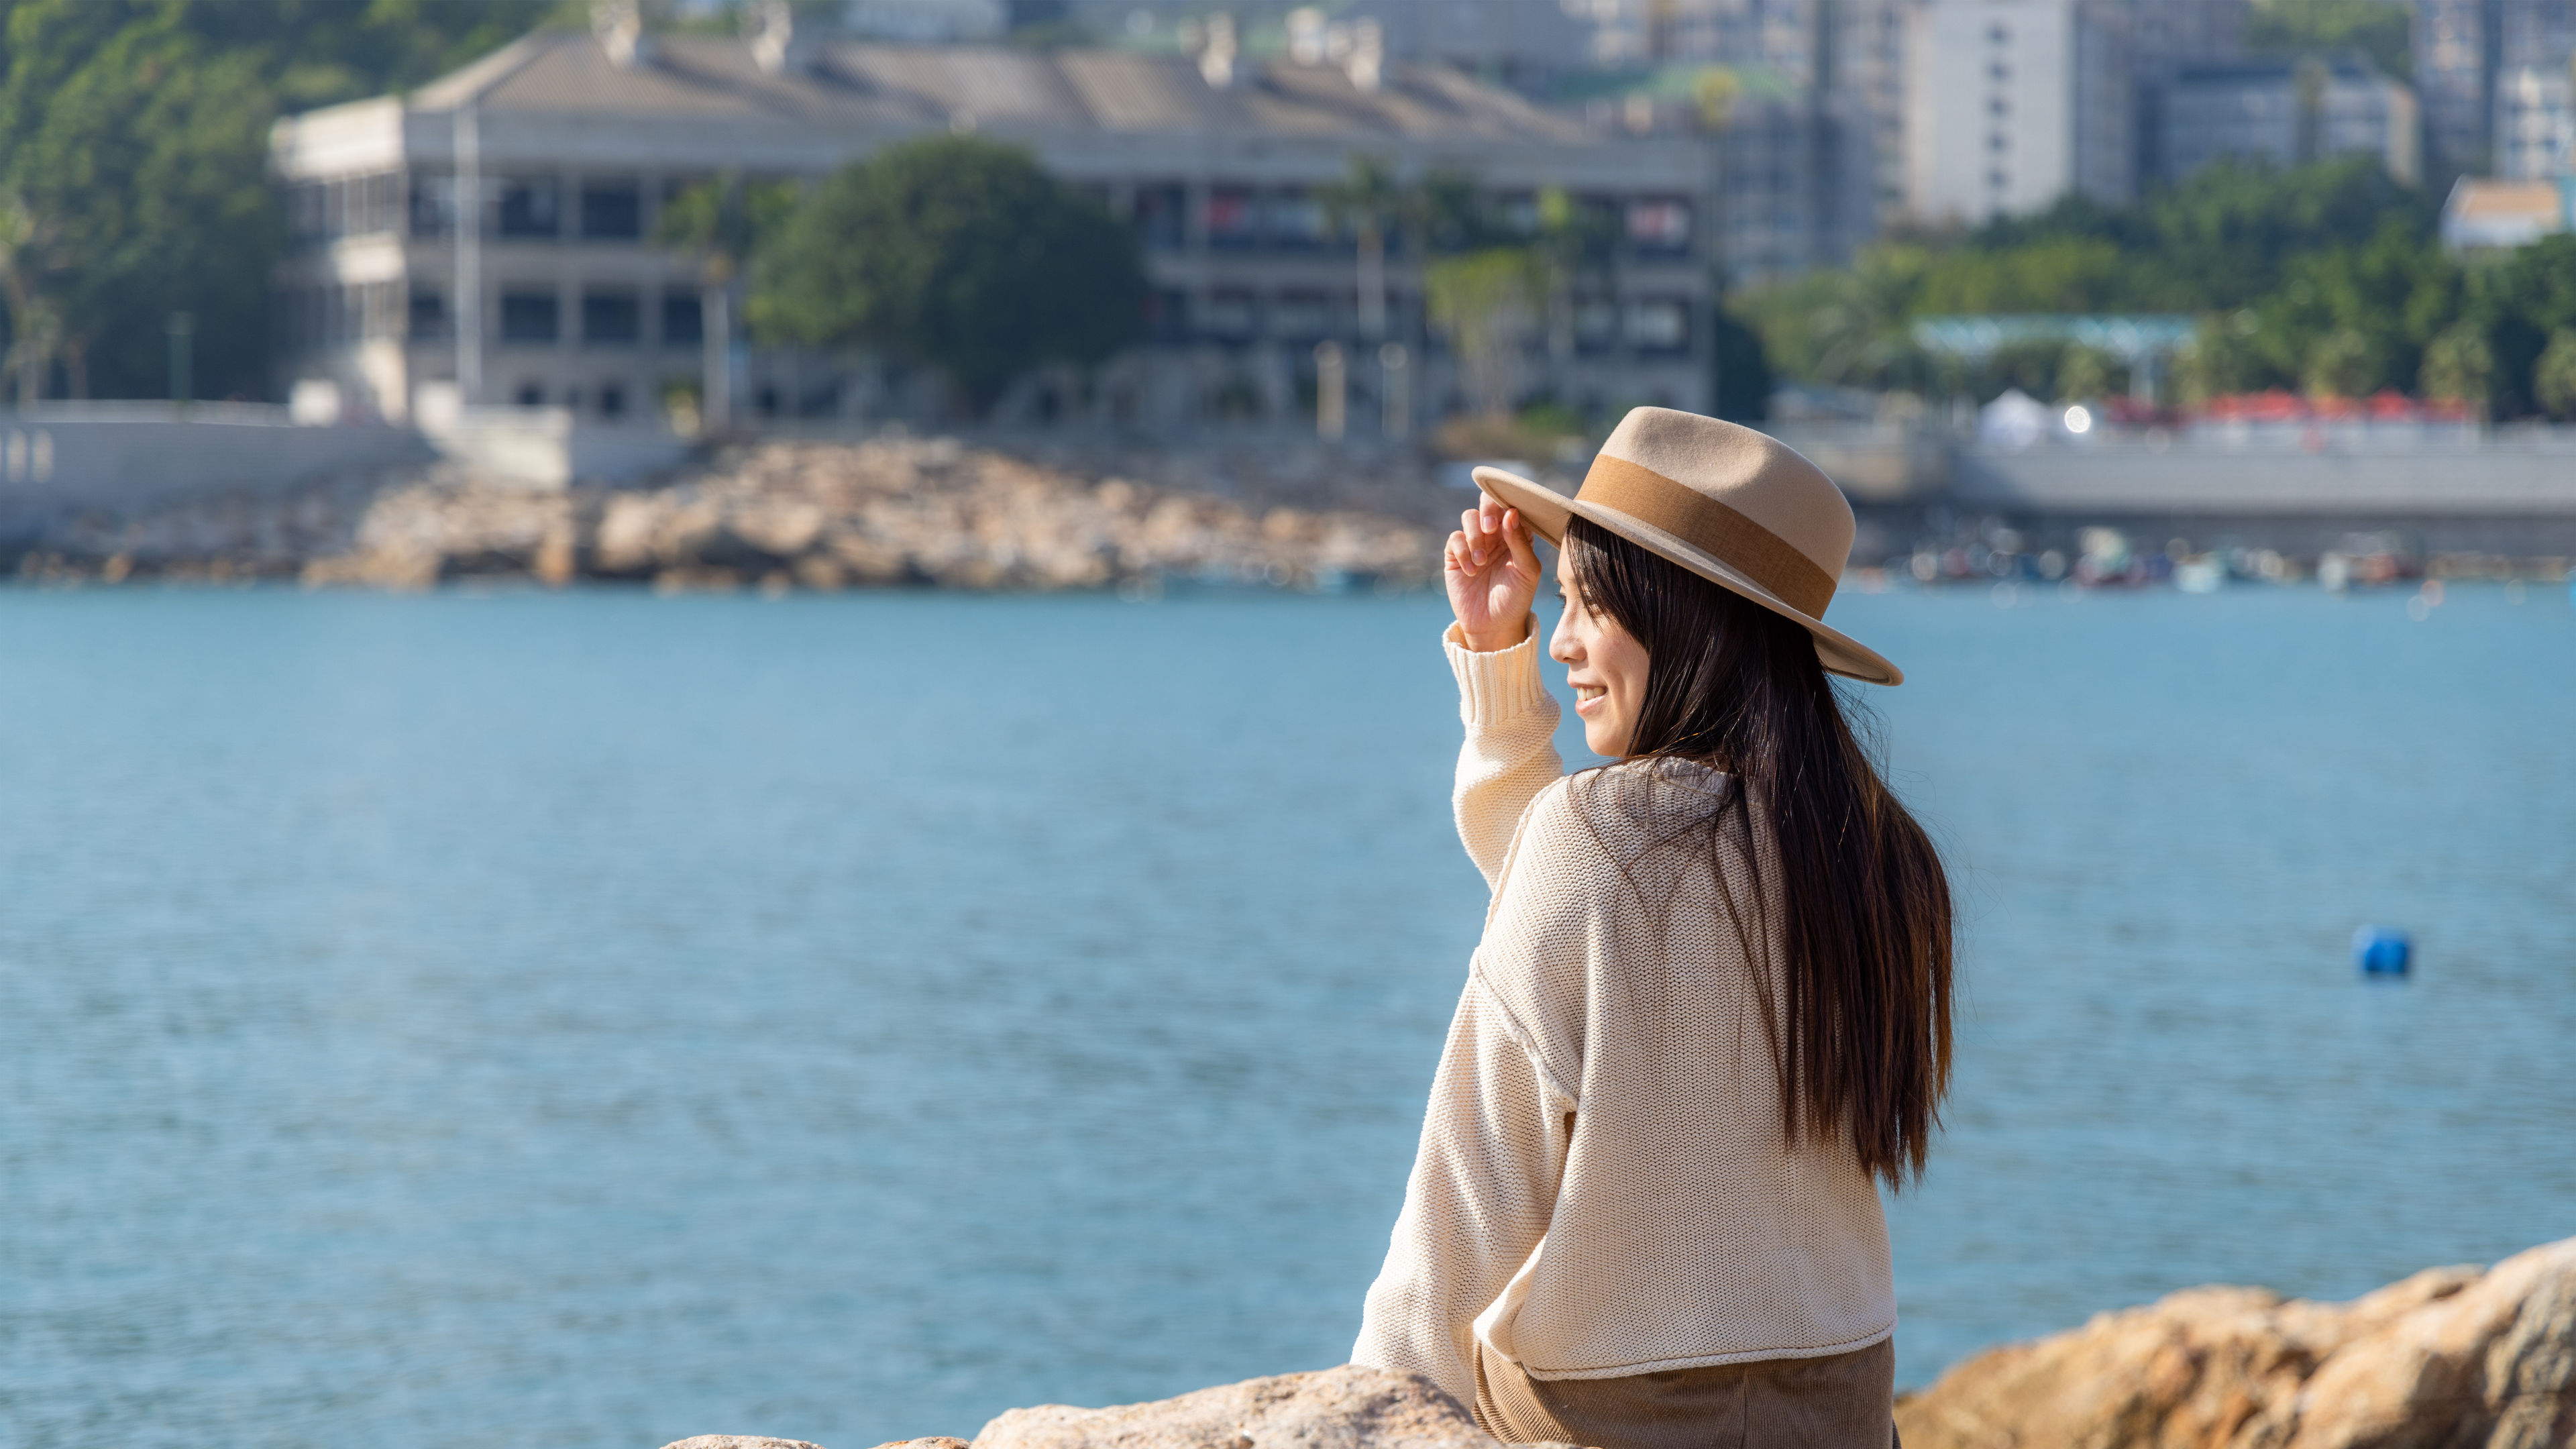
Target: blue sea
595, 1019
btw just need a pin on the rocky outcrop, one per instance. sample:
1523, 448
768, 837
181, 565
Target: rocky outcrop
796, 515
899, 511
2449, 1358
1343, 1408
2452, 1358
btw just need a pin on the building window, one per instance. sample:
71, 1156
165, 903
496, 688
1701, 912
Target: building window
612, 210
1596, 325
428, 315
1228, 314
1167, 314
612, 400
530, 317
531, 206
1158, 217
1296, 220
1996, 142
1659, 324
1998, 180
1230, 219
612, 318
531, 395
684, 322
1301, 315
433, 205
2000, 35
1660, 225
1999, 72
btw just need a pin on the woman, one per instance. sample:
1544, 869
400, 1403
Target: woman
1711, 1009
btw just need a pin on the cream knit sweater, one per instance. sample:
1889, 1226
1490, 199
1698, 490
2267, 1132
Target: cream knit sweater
1603, 1186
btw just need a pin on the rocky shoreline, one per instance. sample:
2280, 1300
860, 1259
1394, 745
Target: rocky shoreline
789, 515
2447, 1359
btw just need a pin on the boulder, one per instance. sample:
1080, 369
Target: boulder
2446, 1359
1343, 1408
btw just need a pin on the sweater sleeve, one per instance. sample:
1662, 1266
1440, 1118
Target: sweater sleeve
1510, 753
1501, 1120
1477, 1205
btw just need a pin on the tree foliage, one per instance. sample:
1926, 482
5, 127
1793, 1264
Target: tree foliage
134, 135
2326, 279
956, 253
2379, 29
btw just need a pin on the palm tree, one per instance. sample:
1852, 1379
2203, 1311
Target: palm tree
720, 222
35, 322
1370, 203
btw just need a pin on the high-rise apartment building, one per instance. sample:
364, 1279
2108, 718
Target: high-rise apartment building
2457, 48
2015, 103
2165, 36
2535, 88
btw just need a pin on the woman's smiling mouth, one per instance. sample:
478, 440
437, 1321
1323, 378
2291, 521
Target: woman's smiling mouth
1586, 696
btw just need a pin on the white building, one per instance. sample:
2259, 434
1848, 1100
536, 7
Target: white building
2013, 104
2455, 45
2535, 91
2289, 113
570, 142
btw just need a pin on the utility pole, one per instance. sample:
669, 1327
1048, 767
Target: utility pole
183, 359
468, 304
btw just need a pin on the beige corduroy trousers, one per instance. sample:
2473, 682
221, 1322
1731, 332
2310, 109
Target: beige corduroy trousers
1843, 1401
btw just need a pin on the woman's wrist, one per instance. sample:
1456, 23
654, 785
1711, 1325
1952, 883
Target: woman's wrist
1496, 640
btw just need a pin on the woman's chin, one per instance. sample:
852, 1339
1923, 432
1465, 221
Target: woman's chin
1604, 740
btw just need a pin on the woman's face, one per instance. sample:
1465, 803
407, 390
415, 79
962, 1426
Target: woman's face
1605, 664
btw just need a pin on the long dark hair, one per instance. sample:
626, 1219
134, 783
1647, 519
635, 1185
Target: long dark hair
1858, 1007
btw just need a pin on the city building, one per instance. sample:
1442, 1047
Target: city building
2535, 89
557, 153
2289, 113
2015, 103
2164, 37
2457, 45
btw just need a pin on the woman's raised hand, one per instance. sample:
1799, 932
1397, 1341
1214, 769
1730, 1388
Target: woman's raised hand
1492, 572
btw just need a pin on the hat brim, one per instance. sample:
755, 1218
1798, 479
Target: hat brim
1548, 511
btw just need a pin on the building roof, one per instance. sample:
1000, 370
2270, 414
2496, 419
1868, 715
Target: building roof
864, 85
2489, 213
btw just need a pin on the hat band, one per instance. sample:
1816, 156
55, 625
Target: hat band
1706, 524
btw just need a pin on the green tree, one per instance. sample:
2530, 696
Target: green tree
137, 131
2341, 363
1487, 302
2459, 367
2554, 377
959, 254
2085, 373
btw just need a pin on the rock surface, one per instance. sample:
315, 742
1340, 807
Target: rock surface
2446, 1359
1342, 1408
2452, 1358
797, 515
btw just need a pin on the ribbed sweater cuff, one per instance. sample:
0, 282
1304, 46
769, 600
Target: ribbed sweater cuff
1498, 687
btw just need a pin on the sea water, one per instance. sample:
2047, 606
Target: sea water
594, 1019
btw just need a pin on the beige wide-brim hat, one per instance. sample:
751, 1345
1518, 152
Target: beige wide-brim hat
1734, 506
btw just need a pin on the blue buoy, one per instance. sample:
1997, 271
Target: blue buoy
2379, 951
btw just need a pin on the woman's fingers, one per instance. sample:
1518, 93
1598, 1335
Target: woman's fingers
1516, 537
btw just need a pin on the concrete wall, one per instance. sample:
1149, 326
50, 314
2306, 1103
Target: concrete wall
115, 457
2517, 474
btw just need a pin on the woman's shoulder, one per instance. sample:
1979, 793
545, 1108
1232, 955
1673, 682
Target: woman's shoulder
1615, 813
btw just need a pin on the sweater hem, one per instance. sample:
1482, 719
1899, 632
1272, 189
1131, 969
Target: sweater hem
1714, 1360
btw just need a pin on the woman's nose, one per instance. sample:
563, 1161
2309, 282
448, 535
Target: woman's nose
1560, 643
